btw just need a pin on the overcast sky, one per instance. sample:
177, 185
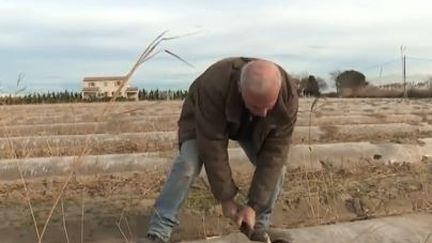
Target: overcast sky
56, 43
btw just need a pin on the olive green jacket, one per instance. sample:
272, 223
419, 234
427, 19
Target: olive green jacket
211, 114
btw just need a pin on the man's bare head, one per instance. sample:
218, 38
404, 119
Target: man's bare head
260, 83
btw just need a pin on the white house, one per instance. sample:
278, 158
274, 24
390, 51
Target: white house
107, 86
98, 87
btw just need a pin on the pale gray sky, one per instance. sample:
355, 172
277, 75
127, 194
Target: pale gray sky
56, 43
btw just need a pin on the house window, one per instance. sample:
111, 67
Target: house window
91, 84
105, 84
118, 83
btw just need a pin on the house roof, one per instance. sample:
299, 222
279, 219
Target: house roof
103, 78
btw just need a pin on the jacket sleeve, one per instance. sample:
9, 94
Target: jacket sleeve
270, 161
211, 133
274, 151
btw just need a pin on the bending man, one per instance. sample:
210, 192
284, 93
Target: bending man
252, 101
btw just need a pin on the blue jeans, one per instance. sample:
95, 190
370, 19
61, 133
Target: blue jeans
187, 166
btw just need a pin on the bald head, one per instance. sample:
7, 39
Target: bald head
260, 77
260, 83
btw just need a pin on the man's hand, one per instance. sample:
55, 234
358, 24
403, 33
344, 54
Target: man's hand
239, 214
230, 209
246, 215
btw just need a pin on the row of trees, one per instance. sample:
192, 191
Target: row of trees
37, 98
70, 97
157, 94
350, 79
309, 85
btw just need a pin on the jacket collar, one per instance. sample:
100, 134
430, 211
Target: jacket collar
234, 102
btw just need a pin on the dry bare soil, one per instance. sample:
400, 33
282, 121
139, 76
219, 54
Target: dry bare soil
112, 206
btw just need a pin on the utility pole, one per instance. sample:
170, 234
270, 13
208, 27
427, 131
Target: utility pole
404, 77
403, 57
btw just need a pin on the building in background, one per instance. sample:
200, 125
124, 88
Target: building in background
106, 86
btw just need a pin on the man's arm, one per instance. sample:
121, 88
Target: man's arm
274, 152
271, 159
211, 133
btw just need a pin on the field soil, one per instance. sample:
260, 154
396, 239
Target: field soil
114, 206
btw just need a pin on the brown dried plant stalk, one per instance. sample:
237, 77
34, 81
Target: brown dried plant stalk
64, 222
148, 53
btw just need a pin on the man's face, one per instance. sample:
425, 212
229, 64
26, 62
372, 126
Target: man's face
259, 105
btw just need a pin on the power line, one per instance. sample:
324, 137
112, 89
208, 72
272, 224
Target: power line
420, 58
381, 64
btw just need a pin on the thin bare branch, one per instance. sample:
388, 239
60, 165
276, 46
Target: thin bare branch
181, 36
18, 82
29, 201
151, 56
154, 42
149, 49
118, 223
315, 101
178, 57
20, 90
145, 56
82, 217
427, 238
54, 206
64, 222
123, 234
128, 227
